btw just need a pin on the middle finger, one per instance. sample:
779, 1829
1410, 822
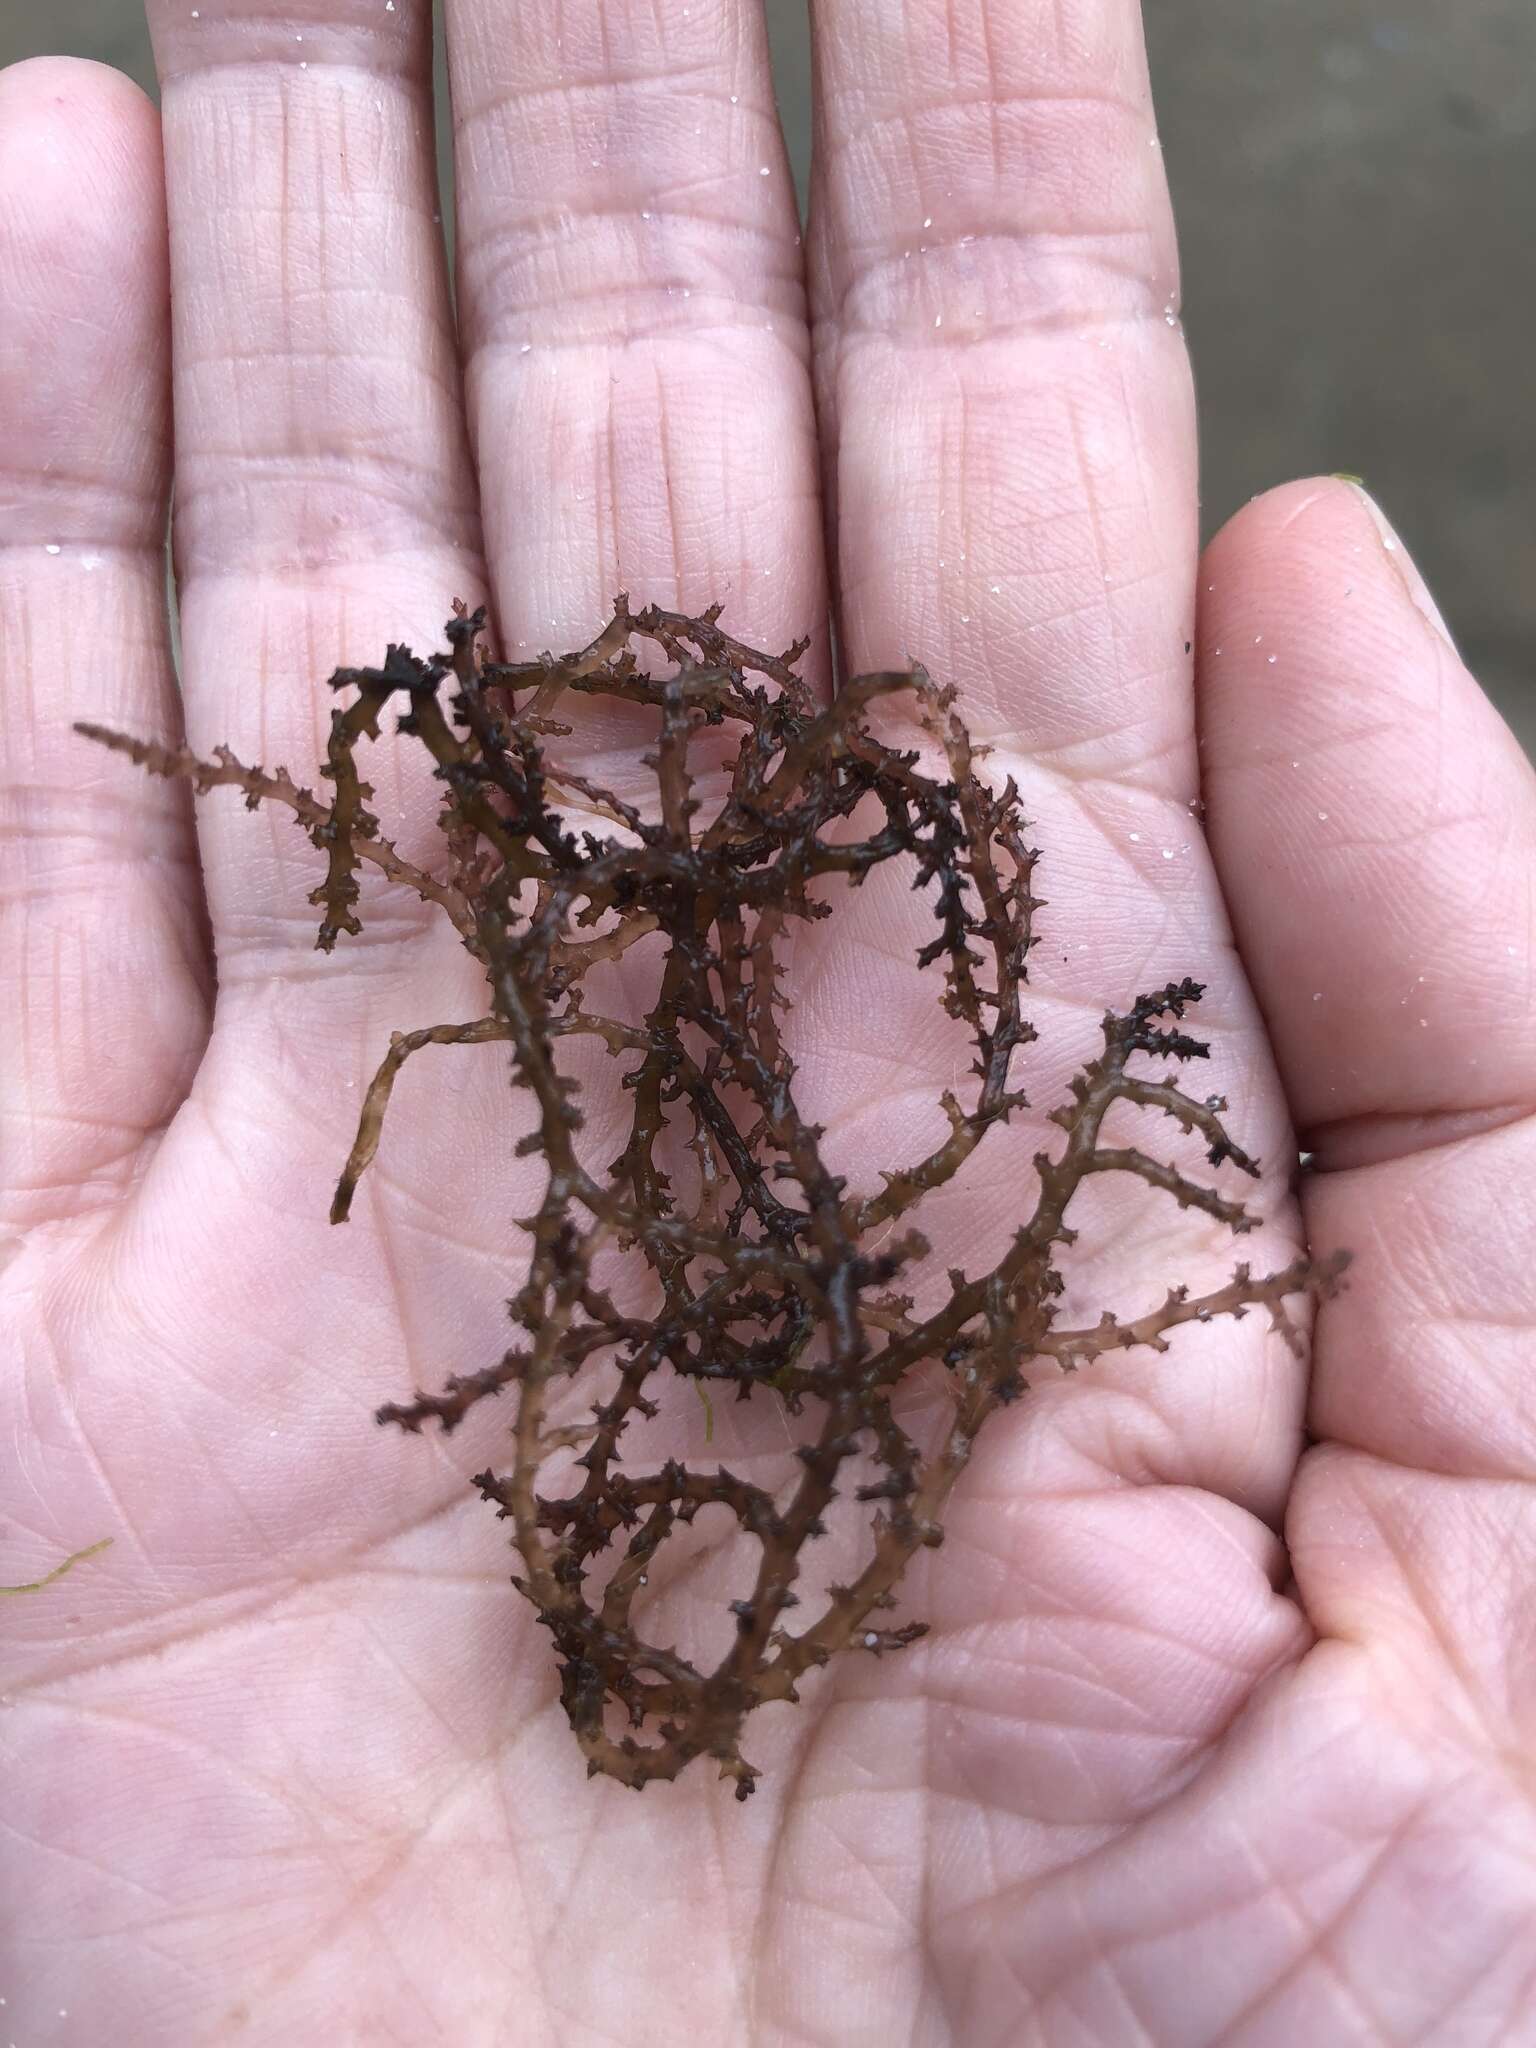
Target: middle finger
633, 317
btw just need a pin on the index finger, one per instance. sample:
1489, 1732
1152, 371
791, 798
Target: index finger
1003, 373
999, 355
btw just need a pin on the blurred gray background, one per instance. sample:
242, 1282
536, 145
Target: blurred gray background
1353, 180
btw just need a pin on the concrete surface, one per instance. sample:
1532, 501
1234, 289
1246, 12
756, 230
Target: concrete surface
1353, 181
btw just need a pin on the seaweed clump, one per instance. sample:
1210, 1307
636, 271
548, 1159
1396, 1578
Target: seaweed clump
766, 1273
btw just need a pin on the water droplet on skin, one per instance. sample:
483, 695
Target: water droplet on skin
928, 223
1136, 839
1167, 853
735, 98
965, 618
52, 548
938, 319
1273, 659
870, 1640
997, 590
764, 171
1322, 817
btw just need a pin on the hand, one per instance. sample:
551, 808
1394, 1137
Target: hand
286, 1763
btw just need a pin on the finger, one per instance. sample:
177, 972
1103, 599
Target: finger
1376, 828
103, 970
1382, 887
633, 313
325, 503
1375, 824
998, 353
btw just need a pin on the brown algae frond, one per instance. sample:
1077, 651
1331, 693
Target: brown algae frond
768, 1276
62, 1570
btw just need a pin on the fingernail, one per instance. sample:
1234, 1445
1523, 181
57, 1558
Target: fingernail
1405, 566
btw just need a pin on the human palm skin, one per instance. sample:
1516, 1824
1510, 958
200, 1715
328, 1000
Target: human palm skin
1224, 1728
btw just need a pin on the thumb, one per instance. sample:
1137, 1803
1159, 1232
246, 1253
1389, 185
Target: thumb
1374, 824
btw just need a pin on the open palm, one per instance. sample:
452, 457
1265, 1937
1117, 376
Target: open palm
287, 1764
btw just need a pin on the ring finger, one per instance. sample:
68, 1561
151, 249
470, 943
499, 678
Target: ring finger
324, 497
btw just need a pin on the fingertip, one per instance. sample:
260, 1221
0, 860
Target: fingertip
85, 303
1326, 518
1315, 568
1282, 505
67, 118
1295, 574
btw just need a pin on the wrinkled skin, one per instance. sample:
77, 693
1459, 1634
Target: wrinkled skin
1226, 1729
